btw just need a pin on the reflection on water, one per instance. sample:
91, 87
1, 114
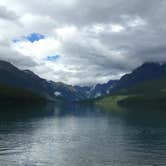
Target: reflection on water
81, 135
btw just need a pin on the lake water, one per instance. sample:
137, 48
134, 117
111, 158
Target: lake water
80, 135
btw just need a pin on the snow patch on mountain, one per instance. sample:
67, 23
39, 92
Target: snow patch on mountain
57, 93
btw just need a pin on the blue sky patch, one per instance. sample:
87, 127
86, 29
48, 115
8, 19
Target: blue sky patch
52, 57
31, 37
35, 37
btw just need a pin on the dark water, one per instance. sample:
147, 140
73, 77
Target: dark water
79, 135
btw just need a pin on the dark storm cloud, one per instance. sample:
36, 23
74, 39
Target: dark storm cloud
7, 14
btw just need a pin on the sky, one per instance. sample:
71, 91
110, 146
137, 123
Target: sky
82, 42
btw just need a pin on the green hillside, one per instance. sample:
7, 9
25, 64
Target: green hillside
14, 95
146, 94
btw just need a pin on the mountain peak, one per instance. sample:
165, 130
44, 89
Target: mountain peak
7, 66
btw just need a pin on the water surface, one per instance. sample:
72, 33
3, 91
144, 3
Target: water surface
81, 135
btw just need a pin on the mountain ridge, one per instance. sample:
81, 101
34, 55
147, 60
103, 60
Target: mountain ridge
11, 75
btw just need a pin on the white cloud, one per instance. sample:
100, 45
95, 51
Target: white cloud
117, 28
37, 23
38, 50
95, 40
66, 32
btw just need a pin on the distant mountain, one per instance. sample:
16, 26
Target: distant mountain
84, 90
102, 89
66, 92
96, 90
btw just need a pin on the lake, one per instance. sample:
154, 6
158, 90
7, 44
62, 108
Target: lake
81, 135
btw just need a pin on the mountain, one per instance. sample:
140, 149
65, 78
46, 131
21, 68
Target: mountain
102, 89
26, 79
66, 92
96, 90
144, 87
10, 75
147, 71
147, 94
13, 95
84, 90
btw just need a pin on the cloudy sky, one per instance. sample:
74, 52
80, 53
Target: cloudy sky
82, 41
